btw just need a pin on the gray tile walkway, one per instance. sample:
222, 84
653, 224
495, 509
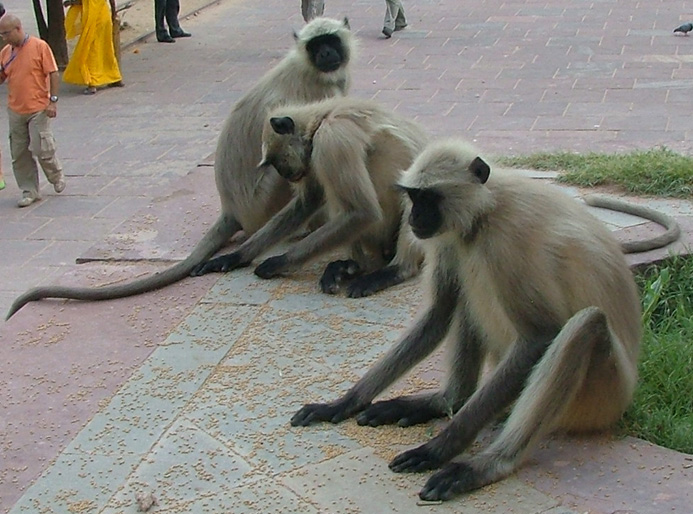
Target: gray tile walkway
186, 393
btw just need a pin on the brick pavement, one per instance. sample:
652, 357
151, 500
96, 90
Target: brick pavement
514, 77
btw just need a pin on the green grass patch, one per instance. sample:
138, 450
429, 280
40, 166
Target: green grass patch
662, 410
659, 171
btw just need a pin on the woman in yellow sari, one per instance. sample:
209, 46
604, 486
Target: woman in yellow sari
93, 62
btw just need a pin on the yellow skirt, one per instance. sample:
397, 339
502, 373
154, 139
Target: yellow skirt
93, 62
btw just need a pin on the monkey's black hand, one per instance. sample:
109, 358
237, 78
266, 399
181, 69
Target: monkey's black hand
336, 273
223, 263
455, 478
404, 413
418, 459
272, 267
376, 281
334, 412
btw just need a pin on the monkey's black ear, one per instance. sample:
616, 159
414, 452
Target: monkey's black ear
346, 23
283, 125
295, 36
480, 169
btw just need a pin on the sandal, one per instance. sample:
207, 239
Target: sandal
91, 90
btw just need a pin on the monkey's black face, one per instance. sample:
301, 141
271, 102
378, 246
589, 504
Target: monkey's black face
425, 219
326, 52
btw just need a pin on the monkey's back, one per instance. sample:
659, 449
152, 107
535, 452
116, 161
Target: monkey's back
396, 142
543, 251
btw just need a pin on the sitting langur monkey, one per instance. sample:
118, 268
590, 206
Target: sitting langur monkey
346, 155
525, 277
318, 67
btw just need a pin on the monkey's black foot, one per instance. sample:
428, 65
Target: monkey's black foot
416, 460
336, 273
272, 267
455, 478
222, 264
373, 282
404, 413
334, 412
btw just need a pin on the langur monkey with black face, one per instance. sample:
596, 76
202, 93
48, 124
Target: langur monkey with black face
344, 157
520, 276
317, 67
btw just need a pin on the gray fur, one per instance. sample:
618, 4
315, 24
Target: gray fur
522, 277
248, 198
344, 156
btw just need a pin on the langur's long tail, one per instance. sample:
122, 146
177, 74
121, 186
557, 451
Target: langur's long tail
211, 242
673, 232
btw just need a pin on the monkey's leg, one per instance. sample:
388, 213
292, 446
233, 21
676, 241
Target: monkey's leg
419, 342
487, 402
585, 341
463, 378
279, 227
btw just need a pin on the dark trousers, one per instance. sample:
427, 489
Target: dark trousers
168, 10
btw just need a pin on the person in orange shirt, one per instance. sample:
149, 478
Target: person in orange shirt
28, 66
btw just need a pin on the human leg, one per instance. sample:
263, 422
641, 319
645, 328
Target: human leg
42, 146
394, 17
172, 11
160, 9
23, 164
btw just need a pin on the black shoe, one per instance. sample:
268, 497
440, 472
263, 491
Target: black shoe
180, 33
165, 38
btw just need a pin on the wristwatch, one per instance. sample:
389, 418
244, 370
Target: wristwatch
53, 98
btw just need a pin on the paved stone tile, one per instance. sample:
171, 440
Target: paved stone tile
602, 475
364, 484
81, 485
56, 254
68, 365
189, 210
186, 471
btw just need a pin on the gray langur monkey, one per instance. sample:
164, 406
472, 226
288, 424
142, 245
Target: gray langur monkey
344, 157
520, 276
318, 67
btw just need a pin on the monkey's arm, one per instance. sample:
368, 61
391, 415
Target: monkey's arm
672, 228
499, 391
333, 234
463, 378
338, 162
281, 226
419, 342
